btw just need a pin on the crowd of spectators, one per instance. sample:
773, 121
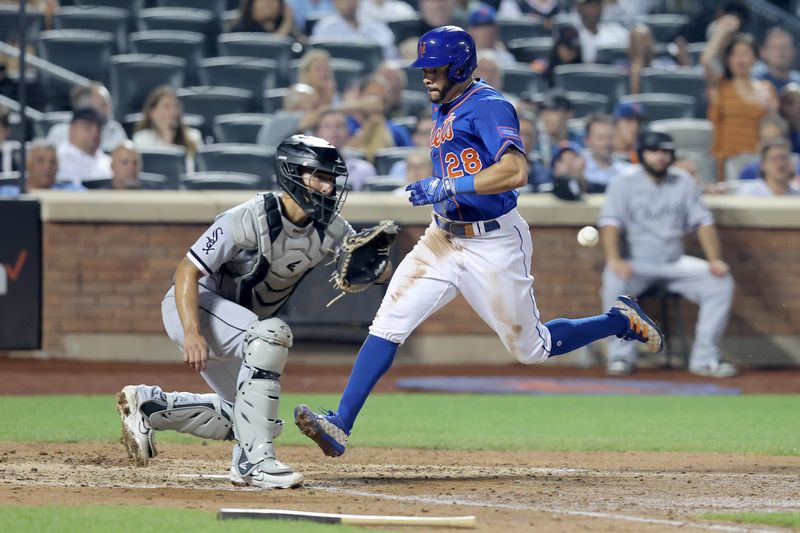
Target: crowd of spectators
752, 94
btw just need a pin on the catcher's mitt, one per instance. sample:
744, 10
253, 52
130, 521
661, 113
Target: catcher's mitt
363, 257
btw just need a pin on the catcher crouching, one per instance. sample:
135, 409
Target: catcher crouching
221, 311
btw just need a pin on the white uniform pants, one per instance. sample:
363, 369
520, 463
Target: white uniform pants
688, 276
491, 270
223, 324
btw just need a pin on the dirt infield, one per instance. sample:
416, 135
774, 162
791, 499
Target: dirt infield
509, 491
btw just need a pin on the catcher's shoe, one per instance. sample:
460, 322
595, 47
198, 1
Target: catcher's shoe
715, 369
137, 436
640, 326
268, 474
325, 429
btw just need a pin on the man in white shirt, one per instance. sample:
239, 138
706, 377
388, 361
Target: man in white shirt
595, 34
80, 157
601, 167
777, 172
347, 24
98, 97
385, 10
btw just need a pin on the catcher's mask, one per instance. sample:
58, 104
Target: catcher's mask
301, 154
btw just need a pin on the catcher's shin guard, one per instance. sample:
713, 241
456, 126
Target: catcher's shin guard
255, 411
205, 415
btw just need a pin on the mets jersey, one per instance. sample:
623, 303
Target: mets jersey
254, 256
470, 134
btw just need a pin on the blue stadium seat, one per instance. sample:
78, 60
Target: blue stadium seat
369, 53
511, 28
84, 52
183, 19
239, 127
215, 7
520, 80
346, 72
109, 19
247, 158
386, 157
661, 106
529, 50
665, 26
220, 181
589, 77
209, 102
272, 101
685, 81
259, 45
186, 45
133, 76
9, 23
250, 74
169, 161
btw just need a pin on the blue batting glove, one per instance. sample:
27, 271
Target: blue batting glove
430, 190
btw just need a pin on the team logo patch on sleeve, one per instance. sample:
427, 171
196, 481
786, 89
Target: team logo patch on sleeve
508, 132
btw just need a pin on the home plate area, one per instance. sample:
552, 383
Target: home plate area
551, 386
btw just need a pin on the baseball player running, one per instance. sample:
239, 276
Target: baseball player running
221, 309
477, 244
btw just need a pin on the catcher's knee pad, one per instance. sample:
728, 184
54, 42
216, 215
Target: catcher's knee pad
266, 347
207, 417
255, 411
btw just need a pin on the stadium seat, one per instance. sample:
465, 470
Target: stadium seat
169, 161
733, 165
511, 28
272, 100
109, 19
408, 122
414, 81
345, 71
132, 6
369, 53
584, 103
216, 7
383, 183
133, 76
520, 80
147, 181
311, 21
186, 45
695, 51
565, 19
386, 157
406, 28
221, 181
183, 19
665, 26
414, 103
705, 162
686, 81
239, 127
588, 77
42, 125
612, 55
130, 121
693, 134
260, 45
84, 52
661, 106
209, 102
9, 23
250, 74
529, 50
247, 158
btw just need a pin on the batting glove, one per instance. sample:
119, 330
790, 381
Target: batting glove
430, 190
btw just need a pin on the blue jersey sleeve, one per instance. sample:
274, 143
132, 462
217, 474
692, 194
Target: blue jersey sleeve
497, 124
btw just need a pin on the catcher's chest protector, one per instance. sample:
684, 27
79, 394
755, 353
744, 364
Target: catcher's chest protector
282, 253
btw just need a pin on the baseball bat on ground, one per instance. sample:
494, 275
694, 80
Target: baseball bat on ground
349, 519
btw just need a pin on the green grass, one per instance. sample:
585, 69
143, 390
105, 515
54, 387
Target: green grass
788, 519
109, 519
762, 425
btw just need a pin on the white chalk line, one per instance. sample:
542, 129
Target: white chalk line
522, 507
511, 506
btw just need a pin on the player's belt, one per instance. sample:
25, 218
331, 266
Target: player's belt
465, 229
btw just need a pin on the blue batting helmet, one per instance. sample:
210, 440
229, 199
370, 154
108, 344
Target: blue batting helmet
447, 45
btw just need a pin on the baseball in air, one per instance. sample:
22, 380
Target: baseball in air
588, 236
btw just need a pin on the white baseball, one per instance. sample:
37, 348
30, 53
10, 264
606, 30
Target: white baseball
588, 236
